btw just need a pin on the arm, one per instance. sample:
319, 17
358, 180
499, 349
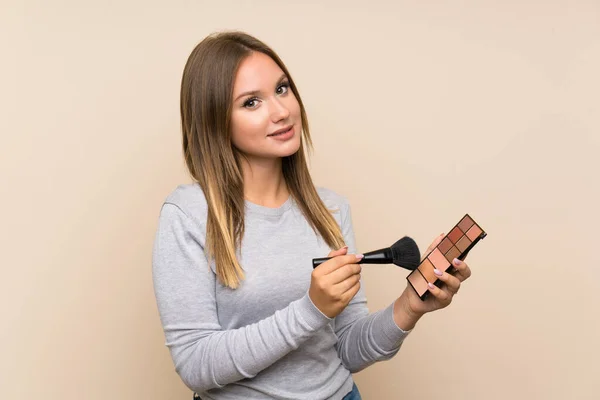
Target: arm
205, 355
364, 338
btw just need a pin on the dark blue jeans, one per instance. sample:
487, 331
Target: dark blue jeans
353, 395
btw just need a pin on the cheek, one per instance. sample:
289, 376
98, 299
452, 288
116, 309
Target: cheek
246, 126
294, 108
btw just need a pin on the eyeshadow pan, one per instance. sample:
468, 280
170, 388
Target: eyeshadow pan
463, 243
445, 245
418, 282
438, 260
426, 269
455, 234
474, 232
466, 223
452, 254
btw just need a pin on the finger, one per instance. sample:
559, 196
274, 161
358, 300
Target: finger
433, 245
451, 281
463, 271
339, 252
343, 273
442, 295
347, 284
332, 254
330, 266
350, 293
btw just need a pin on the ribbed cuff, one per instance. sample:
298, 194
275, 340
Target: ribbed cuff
310, 314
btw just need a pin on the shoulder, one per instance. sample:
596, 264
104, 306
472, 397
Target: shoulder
336, 202
190, 200
332, 198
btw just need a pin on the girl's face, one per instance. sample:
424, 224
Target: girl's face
265, 121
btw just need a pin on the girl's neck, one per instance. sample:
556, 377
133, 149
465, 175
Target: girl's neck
264, 183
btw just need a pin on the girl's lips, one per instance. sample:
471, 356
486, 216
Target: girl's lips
282, 130
284, 134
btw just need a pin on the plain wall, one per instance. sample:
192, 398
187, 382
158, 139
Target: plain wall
420, 111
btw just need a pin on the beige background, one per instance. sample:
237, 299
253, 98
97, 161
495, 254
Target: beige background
421, 112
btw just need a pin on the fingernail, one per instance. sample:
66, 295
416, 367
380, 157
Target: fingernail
431, 285
437, 272
456, 261
344, 248
359, 256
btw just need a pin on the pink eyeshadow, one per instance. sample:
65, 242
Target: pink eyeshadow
438, 260
474, 232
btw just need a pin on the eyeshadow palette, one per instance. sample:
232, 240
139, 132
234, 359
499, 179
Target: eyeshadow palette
456, 244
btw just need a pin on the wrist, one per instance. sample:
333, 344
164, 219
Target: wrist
405, 317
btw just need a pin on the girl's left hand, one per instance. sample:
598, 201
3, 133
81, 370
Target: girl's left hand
410, 303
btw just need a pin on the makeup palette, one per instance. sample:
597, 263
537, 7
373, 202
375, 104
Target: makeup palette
456, 244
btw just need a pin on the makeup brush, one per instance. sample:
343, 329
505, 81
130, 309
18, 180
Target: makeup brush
404, 253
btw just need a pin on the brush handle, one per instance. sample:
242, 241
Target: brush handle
381, 256
318, 261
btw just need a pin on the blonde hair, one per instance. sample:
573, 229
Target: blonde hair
212, 160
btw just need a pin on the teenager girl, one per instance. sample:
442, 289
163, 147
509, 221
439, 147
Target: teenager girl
244, 314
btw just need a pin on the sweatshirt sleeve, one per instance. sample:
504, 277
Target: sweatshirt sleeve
206, 356
364, 338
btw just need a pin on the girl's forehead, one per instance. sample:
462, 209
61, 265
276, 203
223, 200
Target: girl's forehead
256, 72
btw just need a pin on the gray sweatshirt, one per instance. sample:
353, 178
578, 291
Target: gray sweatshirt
265, 339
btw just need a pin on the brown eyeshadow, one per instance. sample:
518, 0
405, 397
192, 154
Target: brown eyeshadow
455, 234
418, 282
465, 223
445, 245
452, 254
426, 269
463, 243
438, 260
474, 232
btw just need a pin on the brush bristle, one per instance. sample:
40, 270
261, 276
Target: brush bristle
406, 254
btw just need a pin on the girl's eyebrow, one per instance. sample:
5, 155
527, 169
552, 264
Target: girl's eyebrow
255, 92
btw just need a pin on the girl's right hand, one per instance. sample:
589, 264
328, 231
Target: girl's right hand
335, 282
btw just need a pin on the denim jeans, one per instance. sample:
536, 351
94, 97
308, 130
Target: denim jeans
353, 395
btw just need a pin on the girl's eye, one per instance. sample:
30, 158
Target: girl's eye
251, 103
283, 88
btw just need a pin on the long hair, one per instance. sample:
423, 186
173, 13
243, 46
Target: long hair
212, 160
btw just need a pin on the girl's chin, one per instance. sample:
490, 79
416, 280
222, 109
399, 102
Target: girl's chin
286, 150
